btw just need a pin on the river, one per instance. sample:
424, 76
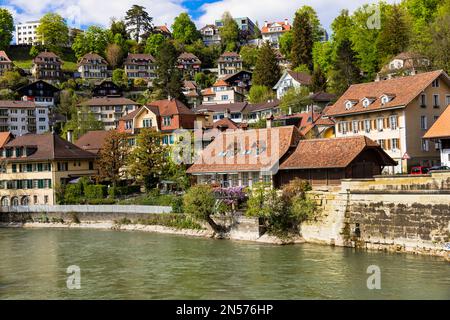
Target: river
134, 265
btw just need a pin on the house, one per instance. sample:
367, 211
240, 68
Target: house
106, 88
229, 63
222, 92
272, 31
233, 111
192, 93
241, 79
93, 66
210, 35
26, 33
42, 93
277, 155
5, 63
189, 64
92, 141
108, 109
140, 66
47, 66
36, 164
291, 79
144, 117
396, 113
23, 117
310, 124
164, 30
260, 111
440, 132
404, 64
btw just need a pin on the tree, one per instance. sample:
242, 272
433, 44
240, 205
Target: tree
114, 55
302, 41
322, 55
205, 80
286, 44
295, 100
12, 80
82, 120
6, 28
113, 157
439, 50
229, 32
68, 102
119, 77
169, 79
147, 161
345, 71
94, 39
316, 27
394, 36
184, 29
318, 80
249, 55
153, 43
267, 72
138, 22
119, 27
53, 32
260, 94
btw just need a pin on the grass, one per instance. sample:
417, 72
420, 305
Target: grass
177, 221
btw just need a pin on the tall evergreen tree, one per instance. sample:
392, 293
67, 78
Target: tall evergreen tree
302, 41
319, 80
138, 22
267, 72
169, 79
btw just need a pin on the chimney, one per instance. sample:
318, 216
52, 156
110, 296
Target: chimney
227, 113
286, 21
70, 136
266, 23
290, 111
269, 121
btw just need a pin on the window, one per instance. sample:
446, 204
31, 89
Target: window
395, 144
423, 122
355, 126
147, 123
435, 100
435, 83
393, 122
344, 127
447, 100
380, 124
245, 179
423, 100
425, 145
382, 143
167, 121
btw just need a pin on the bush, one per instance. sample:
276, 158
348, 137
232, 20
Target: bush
97, 202
199, 202
177, 205
177, 221
74, 217
114, 192
95, 191
73, 191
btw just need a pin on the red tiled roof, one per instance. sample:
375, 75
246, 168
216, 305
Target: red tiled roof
92, 141
404, 90
171, 107
285, 27
226, 123
441, 128
5, 137
163, 29
220, 83
5, 57
17, 104
331, 153
208, 92
272, 142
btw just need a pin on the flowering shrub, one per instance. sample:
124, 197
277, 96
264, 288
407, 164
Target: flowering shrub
231, 196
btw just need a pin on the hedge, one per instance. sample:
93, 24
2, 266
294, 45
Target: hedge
123, 191
95, 191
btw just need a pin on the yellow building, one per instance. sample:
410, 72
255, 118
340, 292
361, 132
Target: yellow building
396, 113
33, 166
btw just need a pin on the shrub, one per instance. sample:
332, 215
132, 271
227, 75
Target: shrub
199, 202
177, 205
114, 192
74, 218
95, 191
73, 192
177, 221
96, 202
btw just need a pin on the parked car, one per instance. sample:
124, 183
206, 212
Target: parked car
420, 170
437, 168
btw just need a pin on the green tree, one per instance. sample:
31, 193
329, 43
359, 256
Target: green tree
249, 55
53, 32
205, 80
147, 161
316, 27
322, 55
94, 39
153, 43
260, 94
395, 34
113, 157
286, 44
267, 72
138, 22
169, 79
229, 32
12, 80
119, 27
345, 71
302, 41
119, 77
318, 80
439, 49
184, 29
81, 121
6, 28
295, 100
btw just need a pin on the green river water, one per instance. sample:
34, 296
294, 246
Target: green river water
134, 265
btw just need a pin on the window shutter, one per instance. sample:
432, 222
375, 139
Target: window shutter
388, 144
339, 127
350, 126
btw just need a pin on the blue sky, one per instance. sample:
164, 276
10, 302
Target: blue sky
99, 12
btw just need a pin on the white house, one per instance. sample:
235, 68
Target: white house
291, 79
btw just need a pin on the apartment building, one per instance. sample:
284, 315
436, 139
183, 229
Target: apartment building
34, 165
396, 113
229, 63
272, 31
141, 66
210, 35
108, 110
25, 33
246, 26
93, 66
5, 63
23, 117
189, 64
47, 66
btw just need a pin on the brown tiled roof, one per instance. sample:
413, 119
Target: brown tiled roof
233, 107
285, 27
404, 90
189, 56
91, 56
5, 137
300, 77
234, 55
92, 141
322, 96
171, 107
262, 106
441, 128
273, 143
49, 146
46, 54
163, 29
5, 56
17, 104
220, 83
108, 101
226, 123
208, 92
189, 84
331, 153
324, 121
143, 58
131, 115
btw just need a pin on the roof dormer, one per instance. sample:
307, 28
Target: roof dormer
386, 98
350, 103
367, 101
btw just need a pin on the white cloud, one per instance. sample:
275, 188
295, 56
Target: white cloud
99, 12
277, 10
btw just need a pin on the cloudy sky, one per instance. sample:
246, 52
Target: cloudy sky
86, 12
